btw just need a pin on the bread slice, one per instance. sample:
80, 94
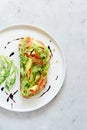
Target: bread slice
34, 64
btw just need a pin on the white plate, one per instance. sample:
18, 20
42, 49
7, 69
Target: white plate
56, 71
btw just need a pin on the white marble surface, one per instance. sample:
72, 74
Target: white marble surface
67, 21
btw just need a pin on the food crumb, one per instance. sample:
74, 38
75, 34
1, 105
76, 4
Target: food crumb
57, 61
83, 21
11, 105
56, 77
74, 120
53, 49
5, 47
6, 93
50, 41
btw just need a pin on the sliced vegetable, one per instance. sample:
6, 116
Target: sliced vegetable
11, 78
8, 72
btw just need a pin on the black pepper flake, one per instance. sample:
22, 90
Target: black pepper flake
50, 41
43, 57
2, 88
31, 52
5, 47
7, 99
8, 42
11, 54
56, 77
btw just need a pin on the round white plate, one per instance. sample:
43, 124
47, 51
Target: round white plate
9, 40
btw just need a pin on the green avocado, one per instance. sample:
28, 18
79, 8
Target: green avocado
28, 64
35, 87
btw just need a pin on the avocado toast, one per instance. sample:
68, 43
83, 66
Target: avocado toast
34, 64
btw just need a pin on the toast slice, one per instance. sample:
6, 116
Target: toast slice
34, 63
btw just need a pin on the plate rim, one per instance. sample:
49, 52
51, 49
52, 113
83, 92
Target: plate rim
9, 27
